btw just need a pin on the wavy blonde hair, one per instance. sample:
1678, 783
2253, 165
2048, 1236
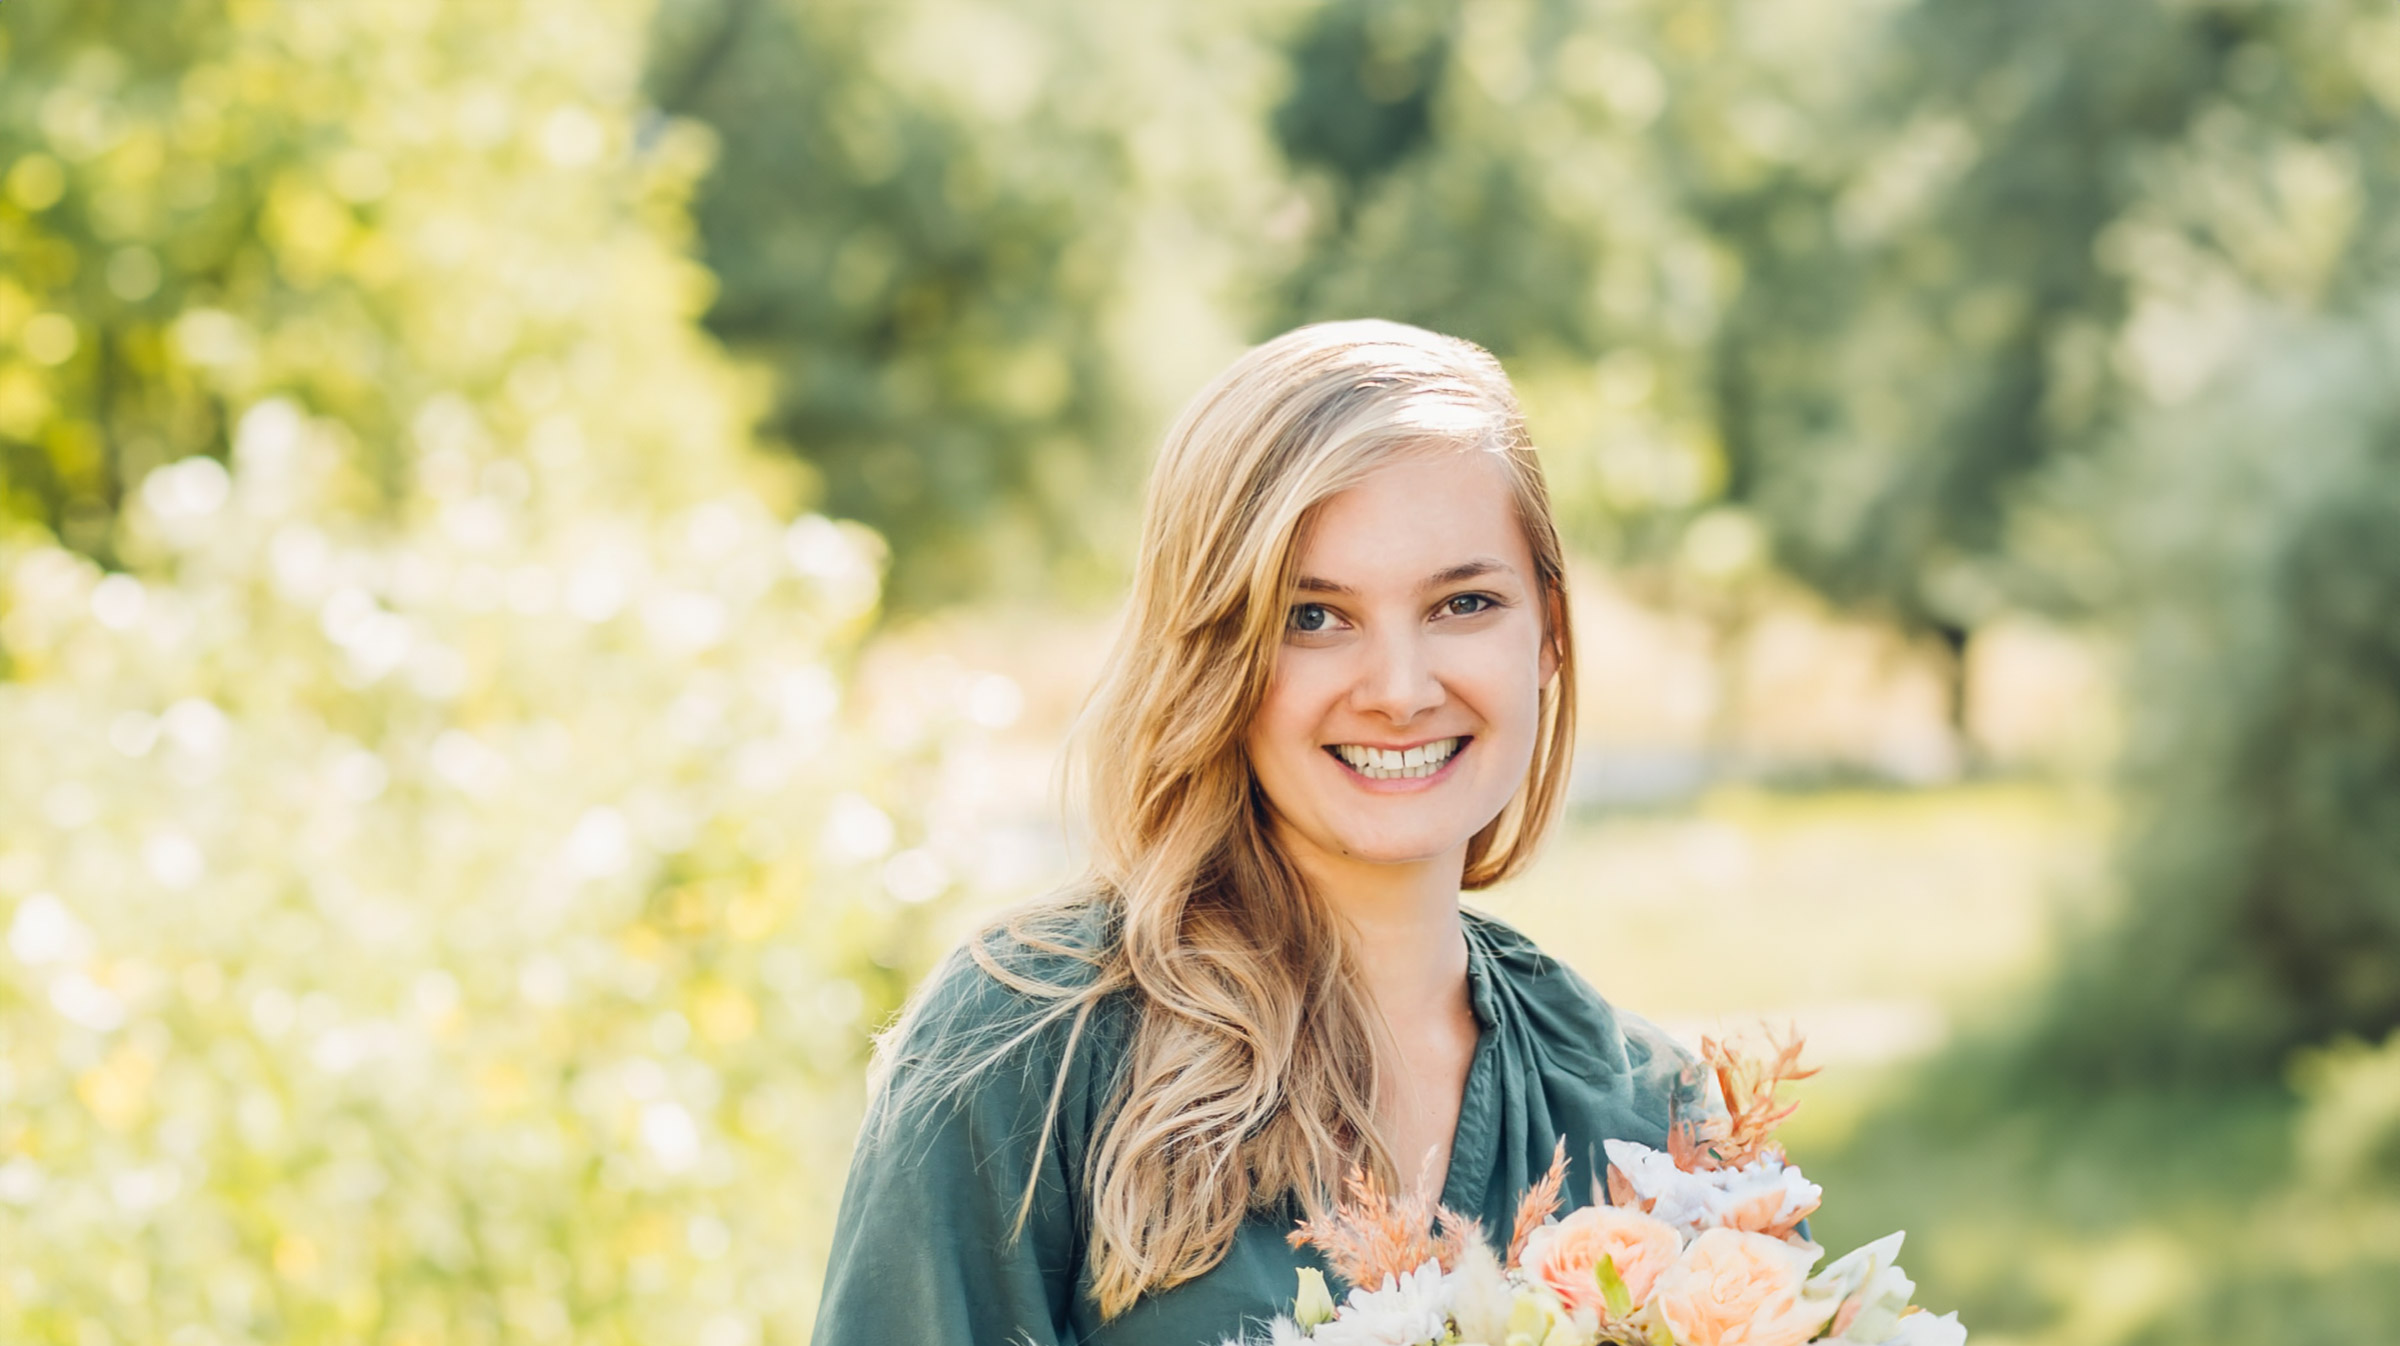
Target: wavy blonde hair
1256, 1054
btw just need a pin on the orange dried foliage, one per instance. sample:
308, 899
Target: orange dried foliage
1748, 1081
1539, 1203
1374, 1234
1620, 1191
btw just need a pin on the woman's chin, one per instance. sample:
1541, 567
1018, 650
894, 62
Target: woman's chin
1367, 846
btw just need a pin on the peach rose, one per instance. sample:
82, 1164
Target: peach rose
1735, 1289
1563, 1255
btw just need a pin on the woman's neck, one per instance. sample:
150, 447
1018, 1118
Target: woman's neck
1411, 948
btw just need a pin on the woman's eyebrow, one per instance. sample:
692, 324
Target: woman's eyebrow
1464, 570
1467, 570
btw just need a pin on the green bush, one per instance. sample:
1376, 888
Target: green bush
2262, 858
446, 876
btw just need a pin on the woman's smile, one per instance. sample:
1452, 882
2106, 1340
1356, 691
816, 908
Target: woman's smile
1389, 770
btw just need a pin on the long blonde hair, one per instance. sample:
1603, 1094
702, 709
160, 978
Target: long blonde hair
1255, 1059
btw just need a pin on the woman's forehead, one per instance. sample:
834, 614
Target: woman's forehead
1417, 522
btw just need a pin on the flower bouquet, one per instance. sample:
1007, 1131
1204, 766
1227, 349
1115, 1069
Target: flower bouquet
1695, 1245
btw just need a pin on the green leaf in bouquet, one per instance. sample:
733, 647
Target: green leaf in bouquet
1613, 1290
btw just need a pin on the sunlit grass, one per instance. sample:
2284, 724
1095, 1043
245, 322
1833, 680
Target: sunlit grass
1868, 917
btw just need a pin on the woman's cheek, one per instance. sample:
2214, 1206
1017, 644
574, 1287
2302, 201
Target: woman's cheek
1502, 683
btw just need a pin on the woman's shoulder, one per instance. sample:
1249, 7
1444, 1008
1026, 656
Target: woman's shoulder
1014, 994
1567, 1016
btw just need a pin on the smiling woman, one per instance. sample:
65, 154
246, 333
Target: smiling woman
1407, 694
1343, 694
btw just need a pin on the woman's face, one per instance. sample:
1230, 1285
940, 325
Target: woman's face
1406, 694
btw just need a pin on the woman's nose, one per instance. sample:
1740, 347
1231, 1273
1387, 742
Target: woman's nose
1396, 680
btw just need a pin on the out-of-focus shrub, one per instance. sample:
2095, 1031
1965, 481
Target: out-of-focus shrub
460, 934
2349, 1134
919, 219
445, 878
2260, 525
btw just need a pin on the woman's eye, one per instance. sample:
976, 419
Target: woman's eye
1310, 617
1465, 605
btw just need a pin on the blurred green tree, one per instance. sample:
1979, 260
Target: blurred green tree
133, 188
917, 220
2035, 327
1915, 281
2261, 521
1493, 170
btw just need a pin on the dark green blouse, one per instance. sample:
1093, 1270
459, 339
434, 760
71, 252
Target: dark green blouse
922, 1253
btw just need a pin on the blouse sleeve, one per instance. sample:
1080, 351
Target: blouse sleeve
927, 1249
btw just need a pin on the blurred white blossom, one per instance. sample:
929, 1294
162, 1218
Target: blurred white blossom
449, 840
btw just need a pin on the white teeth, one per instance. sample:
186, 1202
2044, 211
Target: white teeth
1397, 764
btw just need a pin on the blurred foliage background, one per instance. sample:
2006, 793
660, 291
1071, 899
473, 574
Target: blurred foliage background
545, 549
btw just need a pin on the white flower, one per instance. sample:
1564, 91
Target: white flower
1845, 1274
1409, 1310
1282, 1332
1314, 1304
1924, 1329
1761, 1194
1871, 1279
1480, 1294
1679, 1198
